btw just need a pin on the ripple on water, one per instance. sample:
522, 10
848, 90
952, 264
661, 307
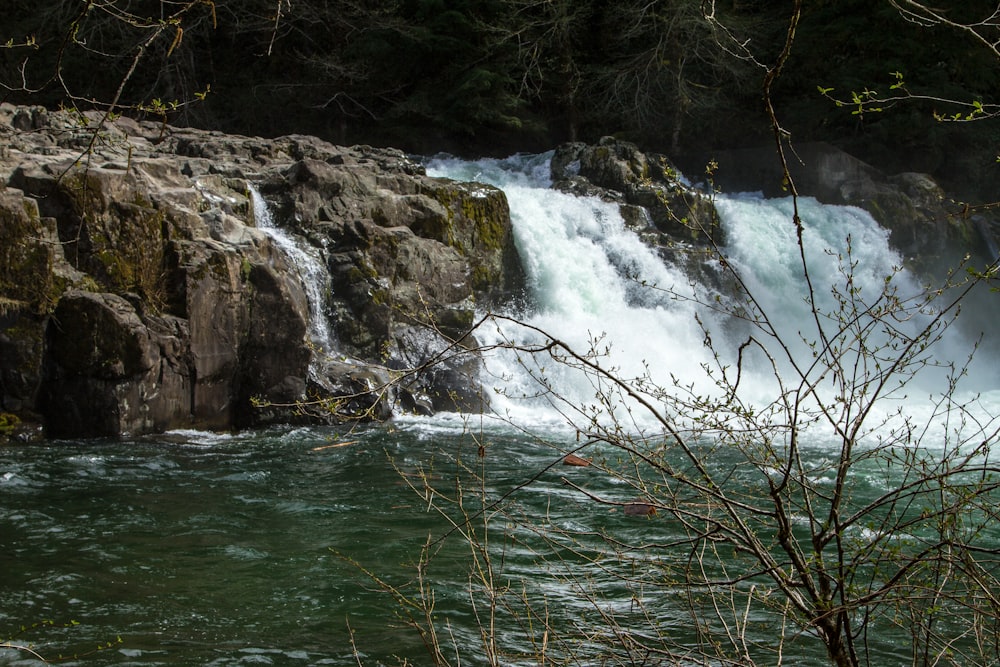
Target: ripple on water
239, 552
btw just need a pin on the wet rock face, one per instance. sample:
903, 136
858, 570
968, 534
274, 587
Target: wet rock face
109, 371
656, 202
618, 171
138, 293
30, 282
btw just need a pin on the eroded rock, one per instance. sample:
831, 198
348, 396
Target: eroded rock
138, 293
618, 171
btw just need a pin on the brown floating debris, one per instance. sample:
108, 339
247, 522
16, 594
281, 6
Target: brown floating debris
336, 444
639, 509
574, 460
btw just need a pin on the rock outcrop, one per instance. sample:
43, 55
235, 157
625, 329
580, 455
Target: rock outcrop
656, 202
138, 294
927, 227
647, 185
141, 290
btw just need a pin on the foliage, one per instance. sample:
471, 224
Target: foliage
871, 49
104, 54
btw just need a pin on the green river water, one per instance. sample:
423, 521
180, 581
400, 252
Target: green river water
200, 549
282, 547
210, 549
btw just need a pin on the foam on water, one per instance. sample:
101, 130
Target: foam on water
595, 285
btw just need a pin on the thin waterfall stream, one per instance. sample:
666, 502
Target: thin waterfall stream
305, 259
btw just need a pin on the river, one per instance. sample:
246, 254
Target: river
302, 546
209, 549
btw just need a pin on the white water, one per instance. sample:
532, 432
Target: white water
585, 272
594, 284
305, 259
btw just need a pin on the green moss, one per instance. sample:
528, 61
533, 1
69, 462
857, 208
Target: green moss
83, 190
455, 322
30, 207
464, 319
963, 231
25, 259
489, 220
482, 278
8, 423
363, 273
473, 222
354, 275
388, 243
442, 229
88, 284
124, 238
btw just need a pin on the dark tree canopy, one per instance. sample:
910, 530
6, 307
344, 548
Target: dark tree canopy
496, 76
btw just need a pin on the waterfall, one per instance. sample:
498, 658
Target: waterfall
595, 285
306, 261
591, 281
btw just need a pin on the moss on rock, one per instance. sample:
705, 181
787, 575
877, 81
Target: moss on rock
477, 225
120, 238
26, 260
8, 423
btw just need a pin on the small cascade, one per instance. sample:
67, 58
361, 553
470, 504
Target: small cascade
312, 272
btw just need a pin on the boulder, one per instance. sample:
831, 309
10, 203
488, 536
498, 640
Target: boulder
109, 371
618, 171
655, 200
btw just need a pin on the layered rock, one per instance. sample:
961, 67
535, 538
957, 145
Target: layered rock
137, 294
655, 200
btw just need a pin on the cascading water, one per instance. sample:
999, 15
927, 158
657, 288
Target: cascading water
589, 278
305, 259
595, 285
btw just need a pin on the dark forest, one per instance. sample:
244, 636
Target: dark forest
491, 77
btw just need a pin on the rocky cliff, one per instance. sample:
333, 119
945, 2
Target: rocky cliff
138, 293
